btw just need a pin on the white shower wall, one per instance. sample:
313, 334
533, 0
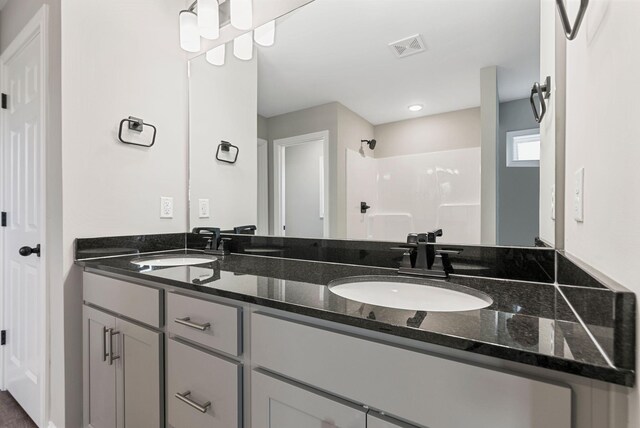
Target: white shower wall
415, 193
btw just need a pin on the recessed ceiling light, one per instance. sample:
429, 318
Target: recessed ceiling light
415, 107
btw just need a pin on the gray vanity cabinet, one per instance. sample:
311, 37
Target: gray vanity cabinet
138, 375
123, 360
99, 375
276, 403
122, 373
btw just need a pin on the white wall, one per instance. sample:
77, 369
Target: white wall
222, 106
119, 58
603, 65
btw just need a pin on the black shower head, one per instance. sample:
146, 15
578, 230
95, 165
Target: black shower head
370, 143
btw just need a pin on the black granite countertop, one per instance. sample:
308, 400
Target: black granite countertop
528, 322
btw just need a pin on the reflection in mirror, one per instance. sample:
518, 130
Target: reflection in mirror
375, 120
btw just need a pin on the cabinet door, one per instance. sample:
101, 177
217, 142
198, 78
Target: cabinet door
376, 420
276, 403
139, 376
99, 376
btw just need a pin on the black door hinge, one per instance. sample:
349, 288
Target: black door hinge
3, 337
3, 221
4, 101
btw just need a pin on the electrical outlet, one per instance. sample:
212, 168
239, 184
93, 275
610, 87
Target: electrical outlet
203, 208
578, 196
166, 207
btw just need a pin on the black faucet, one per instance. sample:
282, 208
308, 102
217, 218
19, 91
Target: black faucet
215, 243
420, 254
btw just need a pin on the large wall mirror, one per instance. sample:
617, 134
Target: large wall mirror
374, 119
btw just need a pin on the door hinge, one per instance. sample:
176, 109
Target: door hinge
3, 337
4, 101
3, 221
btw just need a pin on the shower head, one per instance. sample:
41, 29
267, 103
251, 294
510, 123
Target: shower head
370, 143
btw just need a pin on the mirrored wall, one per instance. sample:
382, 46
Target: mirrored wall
369, 120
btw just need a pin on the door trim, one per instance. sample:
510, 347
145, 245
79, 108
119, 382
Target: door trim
37, 27
278, 177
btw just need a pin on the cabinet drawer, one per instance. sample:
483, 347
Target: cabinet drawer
130, 300
209, 387
210, 324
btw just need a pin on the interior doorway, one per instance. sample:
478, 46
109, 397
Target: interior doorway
301, 197
23, 311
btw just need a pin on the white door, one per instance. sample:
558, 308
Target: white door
22, 166
263, 188
279, 404
303, 190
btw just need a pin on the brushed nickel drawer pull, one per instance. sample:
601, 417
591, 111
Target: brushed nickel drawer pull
105, 352
186, 321
112, 357
184, 397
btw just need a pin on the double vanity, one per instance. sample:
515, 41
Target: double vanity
177, 337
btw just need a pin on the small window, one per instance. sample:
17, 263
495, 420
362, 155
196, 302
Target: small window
523, 148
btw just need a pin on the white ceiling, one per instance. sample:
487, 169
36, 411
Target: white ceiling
337, 50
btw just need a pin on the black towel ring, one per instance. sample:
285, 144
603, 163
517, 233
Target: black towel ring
226, 146
136, 125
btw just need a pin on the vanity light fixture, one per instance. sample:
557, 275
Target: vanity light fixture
216, 55
208, 19
189, 34
243, 46
241, 14
415, 107
265, 35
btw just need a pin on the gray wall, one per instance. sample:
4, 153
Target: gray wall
314, 119
518, 188
447, 131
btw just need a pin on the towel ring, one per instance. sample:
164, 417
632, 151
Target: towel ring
226, 146
136, 125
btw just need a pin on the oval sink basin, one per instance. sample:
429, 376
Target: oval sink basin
174, 261
410, 293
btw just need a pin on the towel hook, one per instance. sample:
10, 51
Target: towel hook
543, 92
571, 33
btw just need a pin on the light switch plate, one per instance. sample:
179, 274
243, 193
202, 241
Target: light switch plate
578, 196
166, 207
203, 208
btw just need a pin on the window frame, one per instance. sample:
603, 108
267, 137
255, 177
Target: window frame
510, 141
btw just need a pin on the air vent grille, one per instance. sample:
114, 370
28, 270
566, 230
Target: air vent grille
407, 46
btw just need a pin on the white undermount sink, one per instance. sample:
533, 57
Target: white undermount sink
410, 293
174, 260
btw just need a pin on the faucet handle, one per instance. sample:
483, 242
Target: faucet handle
412, 238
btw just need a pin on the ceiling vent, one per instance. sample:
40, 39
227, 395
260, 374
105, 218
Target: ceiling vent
408, 46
